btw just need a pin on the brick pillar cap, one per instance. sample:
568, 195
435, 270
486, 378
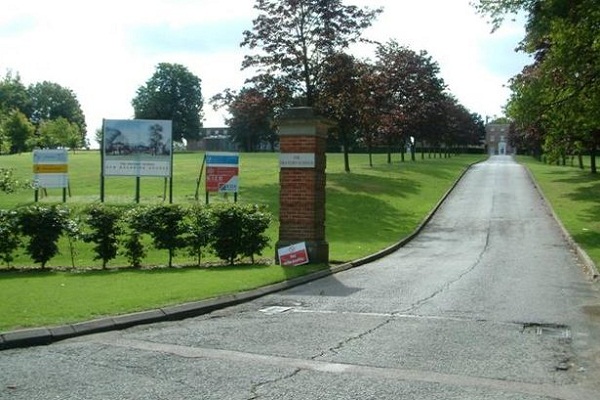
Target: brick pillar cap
303, 114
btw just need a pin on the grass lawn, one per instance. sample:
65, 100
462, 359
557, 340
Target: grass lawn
399, 194
575, 197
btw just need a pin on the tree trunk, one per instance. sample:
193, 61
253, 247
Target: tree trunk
593, 159
580, 160
344, 139
346, 159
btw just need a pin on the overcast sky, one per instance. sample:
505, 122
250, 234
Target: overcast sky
105, 50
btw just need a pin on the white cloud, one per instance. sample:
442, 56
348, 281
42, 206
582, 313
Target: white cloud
105, 50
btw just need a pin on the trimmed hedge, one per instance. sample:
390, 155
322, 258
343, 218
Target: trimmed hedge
229, 231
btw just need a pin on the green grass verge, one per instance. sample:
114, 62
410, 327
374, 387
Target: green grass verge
367, 210
574, 195
50, 298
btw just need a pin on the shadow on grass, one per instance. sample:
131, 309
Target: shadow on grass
370, 185
352, 210
586, 192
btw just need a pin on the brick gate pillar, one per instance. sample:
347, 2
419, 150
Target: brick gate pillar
302, 141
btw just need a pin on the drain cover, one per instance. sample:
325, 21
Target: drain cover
275, 310
550, 330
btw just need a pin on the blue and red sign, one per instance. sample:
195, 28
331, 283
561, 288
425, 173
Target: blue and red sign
222, 170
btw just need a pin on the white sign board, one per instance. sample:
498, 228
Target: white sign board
297, 160
50, 168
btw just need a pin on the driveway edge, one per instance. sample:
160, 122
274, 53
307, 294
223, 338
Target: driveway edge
589, 267
47, 335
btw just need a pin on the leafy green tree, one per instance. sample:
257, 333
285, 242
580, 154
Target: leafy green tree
13, 94
172, 93
18, 130
295, 37
56, 133
4, 139
50, 101
559, 94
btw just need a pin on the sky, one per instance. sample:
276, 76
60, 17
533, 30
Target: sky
105, 50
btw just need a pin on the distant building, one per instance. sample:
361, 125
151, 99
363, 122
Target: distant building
496, 139
213, 139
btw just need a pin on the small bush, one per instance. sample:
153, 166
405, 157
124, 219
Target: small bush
165, 225
9, 235
8, 184
104, 224
134, 225
200, 224
239, 231
43, 226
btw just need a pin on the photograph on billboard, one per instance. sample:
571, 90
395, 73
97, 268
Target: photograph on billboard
137, 147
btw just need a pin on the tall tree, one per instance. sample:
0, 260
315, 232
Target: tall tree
339, 92
13, 94
562, 84
252, 119
50, 101
296, 36
55, 133
19, 131
408, 88
172, 93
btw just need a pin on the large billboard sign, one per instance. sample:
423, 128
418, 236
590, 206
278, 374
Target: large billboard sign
222, 170
50, 168
138, 147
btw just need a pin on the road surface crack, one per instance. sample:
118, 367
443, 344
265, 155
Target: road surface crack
450, 283
256, 387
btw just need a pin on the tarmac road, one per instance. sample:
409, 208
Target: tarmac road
487, 302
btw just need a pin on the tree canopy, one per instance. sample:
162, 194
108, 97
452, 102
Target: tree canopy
295, 37
172, 93
27, 112
301, 56
555, 101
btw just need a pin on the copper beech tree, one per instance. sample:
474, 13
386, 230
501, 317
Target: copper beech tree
291, 40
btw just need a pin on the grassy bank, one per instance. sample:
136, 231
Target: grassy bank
575, 197
367, 210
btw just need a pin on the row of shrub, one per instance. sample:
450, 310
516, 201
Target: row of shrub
230, 231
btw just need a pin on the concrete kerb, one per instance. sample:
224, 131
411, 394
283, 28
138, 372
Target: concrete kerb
47, 335
589, 267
